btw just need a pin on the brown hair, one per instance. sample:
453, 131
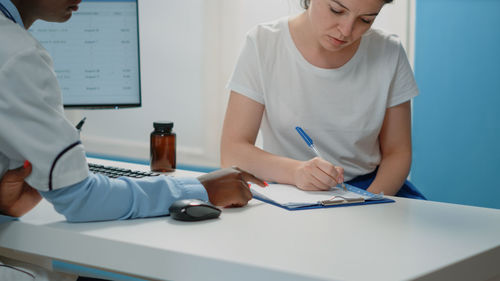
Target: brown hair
305, 3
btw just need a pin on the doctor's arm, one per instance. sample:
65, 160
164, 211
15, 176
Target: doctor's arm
395, 146
16, 196
99, 198
241, 126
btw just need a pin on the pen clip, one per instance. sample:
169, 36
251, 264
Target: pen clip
80, 124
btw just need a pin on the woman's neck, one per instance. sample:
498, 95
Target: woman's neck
308, 44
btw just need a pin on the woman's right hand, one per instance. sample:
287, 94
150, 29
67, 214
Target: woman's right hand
317, 174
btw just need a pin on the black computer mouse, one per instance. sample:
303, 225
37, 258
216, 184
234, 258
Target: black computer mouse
193, 210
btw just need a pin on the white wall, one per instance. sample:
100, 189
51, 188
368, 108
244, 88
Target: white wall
188, 50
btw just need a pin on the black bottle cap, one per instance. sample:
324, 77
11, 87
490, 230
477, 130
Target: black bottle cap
163, 125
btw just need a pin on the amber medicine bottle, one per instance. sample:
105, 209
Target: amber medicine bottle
162, 147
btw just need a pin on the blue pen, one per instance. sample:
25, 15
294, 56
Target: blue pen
310, 143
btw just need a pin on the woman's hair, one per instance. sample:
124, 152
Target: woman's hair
305, 3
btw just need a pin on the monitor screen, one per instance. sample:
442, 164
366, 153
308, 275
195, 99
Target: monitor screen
96, 54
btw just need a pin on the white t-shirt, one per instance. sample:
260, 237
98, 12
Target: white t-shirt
341, 109
33, 126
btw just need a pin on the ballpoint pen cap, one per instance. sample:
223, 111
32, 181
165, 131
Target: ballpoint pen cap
80, 124
304, 136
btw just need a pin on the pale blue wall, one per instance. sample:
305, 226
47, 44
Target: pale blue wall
456, 130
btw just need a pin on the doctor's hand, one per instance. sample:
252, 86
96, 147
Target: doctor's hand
16, 196
229, 187
317, 174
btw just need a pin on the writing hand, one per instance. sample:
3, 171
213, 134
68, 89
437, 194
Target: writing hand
318, 174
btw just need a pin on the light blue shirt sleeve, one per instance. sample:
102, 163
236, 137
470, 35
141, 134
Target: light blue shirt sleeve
99, 198
5, 218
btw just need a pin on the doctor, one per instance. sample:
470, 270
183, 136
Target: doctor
34, 128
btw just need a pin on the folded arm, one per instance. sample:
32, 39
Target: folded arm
16, 196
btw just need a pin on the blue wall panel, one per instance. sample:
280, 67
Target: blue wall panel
456, 117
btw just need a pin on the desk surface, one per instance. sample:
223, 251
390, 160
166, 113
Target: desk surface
408, 239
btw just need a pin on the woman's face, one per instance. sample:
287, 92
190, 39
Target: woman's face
340, 23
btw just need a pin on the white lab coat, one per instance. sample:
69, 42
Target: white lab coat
33, 126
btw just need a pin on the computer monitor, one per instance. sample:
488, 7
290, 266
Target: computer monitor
96, 54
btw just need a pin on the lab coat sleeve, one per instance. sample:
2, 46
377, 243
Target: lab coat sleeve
99, 198
33, 125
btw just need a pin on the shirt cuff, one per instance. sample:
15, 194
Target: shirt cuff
192, 188
5, 218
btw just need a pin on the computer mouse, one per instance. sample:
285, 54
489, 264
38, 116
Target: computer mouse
193, 210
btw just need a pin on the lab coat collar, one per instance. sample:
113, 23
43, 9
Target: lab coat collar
11, 8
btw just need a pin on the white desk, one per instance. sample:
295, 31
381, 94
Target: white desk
406, 240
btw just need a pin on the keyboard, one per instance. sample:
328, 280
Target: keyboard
115, 172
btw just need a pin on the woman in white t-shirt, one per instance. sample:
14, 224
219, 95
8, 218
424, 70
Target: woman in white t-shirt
347, 85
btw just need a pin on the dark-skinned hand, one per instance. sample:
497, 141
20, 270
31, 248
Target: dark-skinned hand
229, 187
16, 196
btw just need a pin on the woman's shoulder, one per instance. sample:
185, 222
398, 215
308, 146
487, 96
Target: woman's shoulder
269, 31
379, 37
382, 45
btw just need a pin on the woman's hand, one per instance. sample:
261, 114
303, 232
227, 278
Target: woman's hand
318, 174
16, 196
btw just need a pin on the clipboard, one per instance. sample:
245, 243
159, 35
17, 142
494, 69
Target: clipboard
291, 198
